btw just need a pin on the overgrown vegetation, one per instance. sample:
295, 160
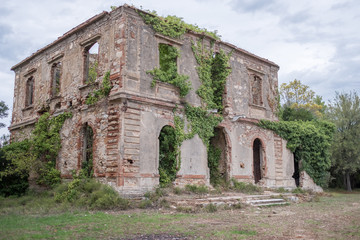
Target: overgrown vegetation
214, 155
167, 157
92, 72
87, 193
213, 70
38, 153
244, 187
202, 123
310, 142
168, 70
172, 26
198, 189
98, 94
15, 183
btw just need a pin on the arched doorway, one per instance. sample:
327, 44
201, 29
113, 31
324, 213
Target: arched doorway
296, 174
167, 155
217, 157
257, 160
87, 154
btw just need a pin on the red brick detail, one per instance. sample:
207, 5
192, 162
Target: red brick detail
242, 177
147, 175
193, 176
112, 142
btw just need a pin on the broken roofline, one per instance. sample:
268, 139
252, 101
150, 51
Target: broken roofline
105, 13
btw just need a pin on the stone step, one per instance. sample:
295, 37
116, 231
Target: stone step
267, 202
252, 200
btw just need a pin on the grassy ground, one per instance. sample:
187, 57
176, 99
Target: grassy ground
328, 217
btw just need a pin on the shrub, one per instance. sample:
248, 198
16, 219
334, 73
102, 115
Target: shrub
177, 190
201, 189
12, 184
298, 190
146, 203
90, 194
211, 208
244, 187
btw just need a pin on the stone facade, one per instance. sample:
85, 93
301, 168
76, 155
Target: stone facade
126, 124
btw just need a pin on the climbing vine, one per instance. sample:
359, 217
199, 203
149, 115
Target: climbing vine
310, 142
39, 152
104, 91
168, 70
172, 26
202, 123
213, 71
214, 155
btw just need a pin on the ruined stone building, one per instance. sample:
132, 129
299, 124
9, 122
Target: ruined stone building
121, 130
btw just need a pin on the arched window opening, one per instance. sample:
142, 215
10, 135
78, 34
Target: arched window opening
256, 90
29, 96
87, 159
167, 156
55, 79
257, 160
217, 161
91, 55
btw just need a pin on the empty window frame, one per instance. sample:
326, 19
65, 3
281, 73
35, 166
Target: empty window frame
87, 150
168, 59
29, 95
256, 90
55, 79
91, 61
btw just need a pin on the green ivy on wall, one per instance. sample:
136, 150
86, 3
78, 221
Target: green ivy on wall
104, 91
213, 71
172, 26
168, 70
310, 142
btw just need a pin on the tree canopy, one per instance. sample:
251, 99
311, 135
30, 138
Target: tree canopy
3, 112
299, 102
344, 112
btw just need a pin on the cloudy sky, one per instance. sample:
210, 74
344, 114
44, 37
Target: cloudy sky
317, 42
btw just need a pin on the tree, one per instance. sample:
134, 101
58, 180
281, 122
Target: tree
344, 111
3, 112
299, 101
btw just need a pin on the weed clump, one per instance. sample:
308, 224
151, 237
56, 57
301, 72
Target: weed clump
244, 187
210, 208
201, 189
298, 190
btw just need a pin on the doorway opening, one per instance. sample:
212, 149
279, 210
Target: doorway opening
296, 174
257, 160
217, 158
167, 156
